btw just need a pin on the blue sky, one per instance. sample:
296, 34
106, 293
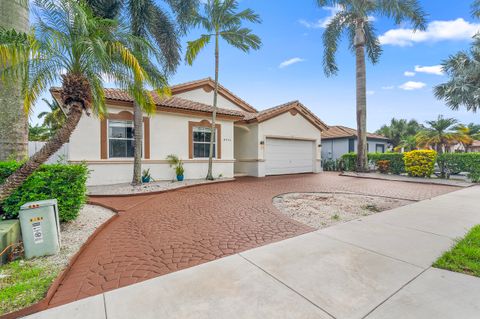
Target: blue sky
400, 85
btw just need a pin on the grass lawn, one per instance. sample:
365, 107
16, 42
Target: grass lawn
465, 256
22, 283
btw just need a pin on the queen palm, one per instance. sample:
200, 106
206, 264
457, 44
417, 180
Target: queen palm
440, 134
71, 45
151, 21
353, 17
222, 21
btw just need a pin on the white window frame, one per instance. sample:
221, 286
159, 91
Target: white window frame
116, 138
215, 137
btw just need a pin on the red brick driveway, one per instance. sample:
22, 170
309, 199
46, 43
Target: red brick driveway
158, 234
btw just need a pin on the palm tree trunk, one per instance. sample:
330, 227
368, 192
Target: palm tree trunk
53, 145
138, 143
213, 134
13, 120
361, 101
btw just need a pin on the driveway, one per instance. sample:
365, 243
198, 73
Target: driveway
158, 234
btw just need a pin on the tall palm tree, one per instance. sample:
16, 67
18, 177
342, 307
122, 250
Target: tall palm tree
69, 44
151, 20
13, 121
222, 21
440, 134
53, 120
353, 17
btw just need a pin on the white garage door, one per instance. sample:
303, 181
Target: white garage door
283, 156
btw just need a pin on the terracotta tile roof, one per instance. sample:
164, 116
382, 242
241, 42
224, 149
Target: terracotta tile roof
475, 144
171, 102
280, 109
339, 131
187, 86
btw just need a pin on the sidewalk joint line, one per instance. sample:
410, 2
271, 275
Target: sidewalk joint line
287, 286
105, 306
393, 294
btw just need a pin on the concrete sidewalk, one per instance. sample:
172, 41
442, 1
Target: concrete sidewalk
374, 267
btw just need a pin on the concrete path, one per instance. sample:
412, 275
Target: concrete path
374, 267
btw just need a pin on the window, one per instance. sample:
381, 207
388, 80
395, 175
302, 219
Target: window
120, 138
351, 145
380, 148
201, 142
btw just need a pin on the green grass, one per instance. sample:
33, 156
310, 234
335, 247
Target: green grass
23, 283
464, 257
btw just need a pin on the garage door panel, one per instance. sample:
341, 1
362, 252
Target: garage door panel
284, 156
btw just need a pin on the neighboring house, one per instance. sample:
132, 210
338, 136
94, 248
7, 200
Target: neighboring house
282, 140
474, 147
460, 148
339, 140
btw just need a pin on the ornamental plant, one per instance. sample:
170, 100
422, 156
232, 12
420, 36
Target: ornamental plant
420, 163
383, 166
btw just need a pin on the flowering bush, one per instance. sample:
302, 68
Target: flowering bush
420, 163
383, 166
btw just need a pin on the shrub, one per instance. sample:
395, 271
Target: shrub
66, 183
420, 163
397, 165
332, 165
453, 163
383, 166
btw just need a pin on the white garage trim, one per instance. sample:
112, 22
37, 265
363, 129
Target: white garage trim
289, 156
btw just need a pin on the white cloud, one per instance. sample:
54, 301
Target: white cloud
388, 87
289, 62
409, 73
321, 23
370, 92
458, 29
434, 69
412, 85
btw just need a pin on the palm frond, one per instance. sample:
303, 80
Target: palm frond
242, 38
331, 38
195, 46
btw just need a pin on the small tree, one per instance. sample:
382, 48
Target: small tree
69, 43
221, 21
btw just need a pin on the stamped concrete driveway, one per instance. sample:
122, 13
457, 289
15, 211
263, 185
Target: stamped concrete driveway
158, 234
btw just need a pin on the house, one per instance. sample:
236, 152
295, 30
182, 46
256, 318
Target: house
284, 139
474, 147
339, 140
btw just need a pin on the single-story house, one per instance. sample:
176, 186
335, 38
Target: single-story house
284, 139
339, 140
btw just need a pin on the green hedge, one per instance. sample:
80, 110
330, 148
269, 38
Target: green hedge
453, 163
66, 183
397, 165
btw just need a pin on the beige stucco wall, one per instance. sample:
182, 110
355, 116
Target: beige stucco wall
251, 155
168, 135
200, 95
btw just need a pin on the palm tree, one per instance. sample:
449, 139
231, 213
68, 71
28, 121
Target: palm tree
472, 131
441, 134
54, 119
407, 143
353, 17
69, 44
38, 133
399, 130
151, 21
222, 21
13, 120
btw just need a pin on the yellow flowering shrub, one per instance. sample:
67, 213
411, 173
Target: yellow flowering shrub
420, 163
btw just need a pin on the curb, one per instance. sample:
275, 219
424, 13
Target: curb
405, 181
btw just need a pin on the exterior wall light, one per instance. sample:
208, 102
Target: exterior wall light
262, 142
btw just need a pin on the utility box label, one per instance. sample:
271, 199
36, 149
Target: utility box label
37, 233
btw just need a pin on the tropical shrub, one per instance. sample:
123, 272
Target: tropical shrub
397, 165
330, 165
420, 163
453, 163
66, 183
383, 166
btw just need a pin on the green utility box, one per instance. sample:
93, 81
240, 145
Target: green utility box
9, 234
40, 228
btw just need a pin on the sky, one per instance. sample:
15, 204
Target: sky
289, 64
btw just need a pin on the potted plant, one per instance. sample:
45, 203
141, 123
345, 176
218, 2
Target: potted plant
177, 163
146, 177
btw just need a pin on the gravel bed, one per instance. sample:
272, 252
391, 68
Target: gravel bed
321, 210
127, 188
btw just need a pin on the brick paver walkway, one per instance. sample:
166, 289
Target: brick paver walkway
158, 234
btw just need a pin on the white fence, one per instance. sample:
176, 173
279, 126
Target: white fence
59, 157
